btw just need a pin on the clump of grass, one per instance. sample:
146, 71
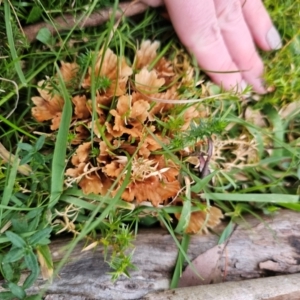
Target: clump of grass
256, 151
281, 67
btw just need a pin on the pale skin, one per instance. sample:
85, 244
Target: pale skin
223, 36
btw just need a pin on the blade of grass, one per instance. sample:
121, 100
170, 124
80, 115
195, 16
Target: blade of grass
186, 209
15, 127
180, 261
278, 131
201, 183
76, 193
11, 43
278, 141
292, 206
160, 55
226, 233
21, 85
9, 185
178, 245
60, 150
166, 209
19, 208
264, 198
107, 40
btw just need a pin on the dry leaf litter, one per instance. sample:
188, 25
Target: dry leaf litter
123, 124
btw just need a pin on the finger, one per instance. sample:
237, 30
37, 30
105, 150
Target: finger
153, 3
239, 42
197, 27
260, 24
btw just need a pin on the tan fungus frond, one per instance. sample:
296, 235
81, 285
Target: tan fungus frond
81, 134
92, 184
81, 110
151, 189
139, 111
113, 169
200, 221
114, 68
134, 129
81, 154
69, 72
77, 171
150, 144
147, 82
146, 54
189, 115
127, 117
47, 107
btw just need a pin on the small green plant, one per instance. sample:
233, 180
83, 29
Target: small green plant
197, 132
26, 227
31, 153
118, 248
26, 239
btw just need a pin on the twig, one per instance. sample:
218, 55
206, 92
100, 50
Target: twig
8, 157
205, 169
68, 21
17, 96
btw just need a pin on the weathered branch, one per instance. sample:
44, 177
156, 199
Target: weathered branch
271, 288
68, 21
255, 249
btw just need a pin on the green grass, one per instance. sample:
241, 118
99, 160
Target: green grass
38, 205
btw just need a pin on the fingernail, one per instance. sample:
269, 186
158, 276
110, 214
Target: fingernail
274, 39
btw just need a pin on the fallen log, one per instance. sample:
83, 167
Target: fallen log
255, 249
271, 288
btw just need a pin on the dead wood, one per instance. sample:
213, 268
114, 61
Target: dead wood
68, 21
255, 249
271, 288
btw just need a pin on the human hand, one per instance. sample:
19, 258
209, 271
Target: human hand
222, 34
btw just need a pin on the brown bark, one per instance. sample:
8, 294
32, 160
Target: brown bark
67, 21
255, 249
271, 288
